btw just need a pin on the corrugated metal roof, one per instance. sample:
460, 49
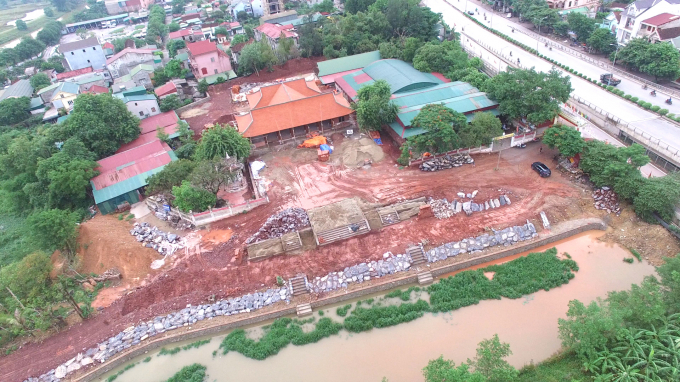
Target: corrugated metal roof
127, 185
139, 67
67, 87
464, 104
226, 75
344, 64
43, 90
21, 88
400, 75
80, 44
36, 103
136, 98
92, 78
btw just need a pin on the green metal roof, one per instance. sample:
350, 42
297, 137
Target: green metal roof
401, 76
406, 133
182, 56
125, 78
139, 67
463, 104
63, 118
137, 90
92, 78
583, 10
115, 17
135, 98
434, 94
213, 78
344, 64
43, 90
36, 103
67, 87
127, 185
301, 20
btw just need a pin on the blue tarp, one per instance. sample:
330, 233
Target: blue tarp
325, 147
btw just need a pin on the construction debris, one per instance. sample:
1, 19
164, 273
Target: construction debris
152, 237
443, 209
288, 220
167, 214
606, 199
446, 162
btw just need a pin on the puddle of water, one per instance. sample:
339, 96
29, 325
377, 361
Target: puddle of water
529, 324
29, 16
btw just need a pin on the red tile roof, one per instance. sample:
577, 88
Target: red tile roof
274, 30
289, 105
231, 25
184, 32
149, 125
660, 19
130, 163
201, 47
74, 73
126, 51
108, 45
166, 89
97, 89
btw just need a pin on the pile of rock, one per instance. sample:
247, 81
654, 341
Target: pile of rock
359, 273
505, 237
136, 334
152, 237
288, 220
443, 209
446, 162
172, 217
606, 199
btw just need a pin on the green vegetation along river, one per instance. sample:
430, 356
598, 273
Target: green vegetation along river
445, 321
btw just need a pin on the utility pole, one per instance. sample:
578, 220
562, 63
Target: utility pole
499, 159
617, 52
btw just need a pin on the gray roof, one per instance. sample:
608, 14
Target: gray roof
21, 88
80, 44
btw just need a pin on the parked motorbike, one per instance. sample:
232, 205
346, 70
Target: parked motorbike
653, 93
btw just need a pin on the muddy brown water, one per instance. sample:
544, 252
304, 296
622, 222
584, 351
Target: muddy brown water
399, 353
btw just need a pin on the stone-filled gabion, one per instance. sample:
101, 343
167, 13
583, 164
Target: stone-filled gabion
359, 273
288, 220
446, 162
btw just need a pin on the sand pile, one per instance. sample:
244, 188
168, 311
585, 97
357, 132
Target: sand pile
354, 152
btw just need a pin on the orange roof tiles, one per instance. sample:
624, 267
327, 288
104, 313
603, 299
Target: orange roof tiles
202, 47
130, 163
73, 73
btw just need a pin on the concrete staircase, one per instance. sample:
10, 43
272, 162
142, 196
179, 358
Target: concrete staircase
304, 310
425, 278
417, 255
299, 285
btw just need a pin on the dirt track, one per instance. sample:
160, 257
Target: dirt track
299, 181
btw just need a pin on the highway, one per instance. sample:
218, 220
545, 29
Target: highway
641, 120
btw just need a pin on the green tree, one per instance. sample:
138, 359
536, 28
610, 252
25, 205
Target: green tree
490, 360
14, 110
39, 81
21, 25
173, 27
160, 77
530, 94
543, 17
286, 49
49, 12
177, 7
442, 370
27, 278
567, 140
28, 47
61, 5
221, 30
171, 176
238, 39
171, 102
102, 122
561, 28
582, 25
669, 273
662, 60
441, 126
471, 75
373, 106
203, 85
658, 196
50, 34
602, 40
54, 229
633, 54
354, 6
212, 174
219, 141
608, 165
310, 40
173, 46
441, 58
255, 57
189, 198
82, 33
483, 128
8, 57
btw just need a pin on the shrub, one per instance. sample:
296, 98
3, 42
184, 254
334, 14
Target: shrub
172, 351
279, 281
655, 108
634, 99
628, 96
191, 373
342, 311
647, 105
610, 88
636, 254
641, 102
629, 260
669, 115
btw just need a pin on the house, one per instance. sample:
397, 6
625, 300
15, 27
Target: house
273, 32
288, 110
149, 127
120, 85
141, 106
120, 63
123, 175
114, 7
64, 95
74, 73
205, 59
46, 93
567, 6
246, 6
21, 88
272, 7
96, 89
187, 35
642, 10
329, 70
165, 90
233, 27
236, 50
109, 49
83, 53
140, 75
37, 106
650, 27
412, 90
611, 22
90, 80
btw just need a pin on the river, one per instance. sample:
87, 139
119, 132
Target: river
400, 352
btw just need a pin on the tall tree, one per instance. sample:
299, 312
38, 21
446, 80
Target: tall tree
39, 81
633, 54
440, 57
21, 25
172, 175
528, 93
255, 57
54, 229
102, 123
14, 110
441, 125
662, 60
373, 106
189, 198
211, 175
658, 196
490, 360
483, 128
567, 140
219, 141
602, 40
582, 25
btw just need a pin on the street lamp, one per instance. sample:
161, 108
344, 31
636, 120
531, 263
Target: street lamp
539, 30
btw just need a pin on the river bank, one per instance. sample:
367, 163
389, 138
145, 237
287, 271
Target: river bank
529, 324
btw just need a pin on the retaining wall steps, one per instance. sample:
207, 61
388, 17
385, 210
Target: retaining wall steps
425, 278
417, 255
304, 310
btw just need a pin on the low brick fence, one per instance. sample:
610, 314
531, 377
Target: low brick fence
192, 105
559, 232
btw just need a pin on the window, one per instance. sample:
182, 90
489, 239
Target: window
204, 71
153, 109
215, 71
212, 59
94, 48
72, 53
341, 119
141, 113
88, 61
70, 102
83, 50
135, 103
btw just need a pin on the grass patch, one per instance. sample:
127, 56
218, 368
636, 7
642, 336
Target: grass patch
282, 332
342, 311
13, 33
514, 279
172, 351
195, 345
14, 244
636, 254
191, 373
629, 260
113, 377
147, 359
564, 367
321, 313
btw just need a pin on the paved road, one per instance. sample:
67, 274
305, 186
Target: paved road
637, 117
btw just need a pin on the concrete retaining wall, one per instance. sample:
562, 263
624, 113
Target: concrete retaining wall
561, 231
192, 105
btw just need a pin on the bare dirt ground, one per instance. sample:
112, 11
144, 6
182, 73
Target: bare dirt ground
218, 268
220, 105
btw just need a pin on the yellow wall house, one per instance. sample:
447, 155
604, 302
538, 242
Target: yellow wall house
64, 95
